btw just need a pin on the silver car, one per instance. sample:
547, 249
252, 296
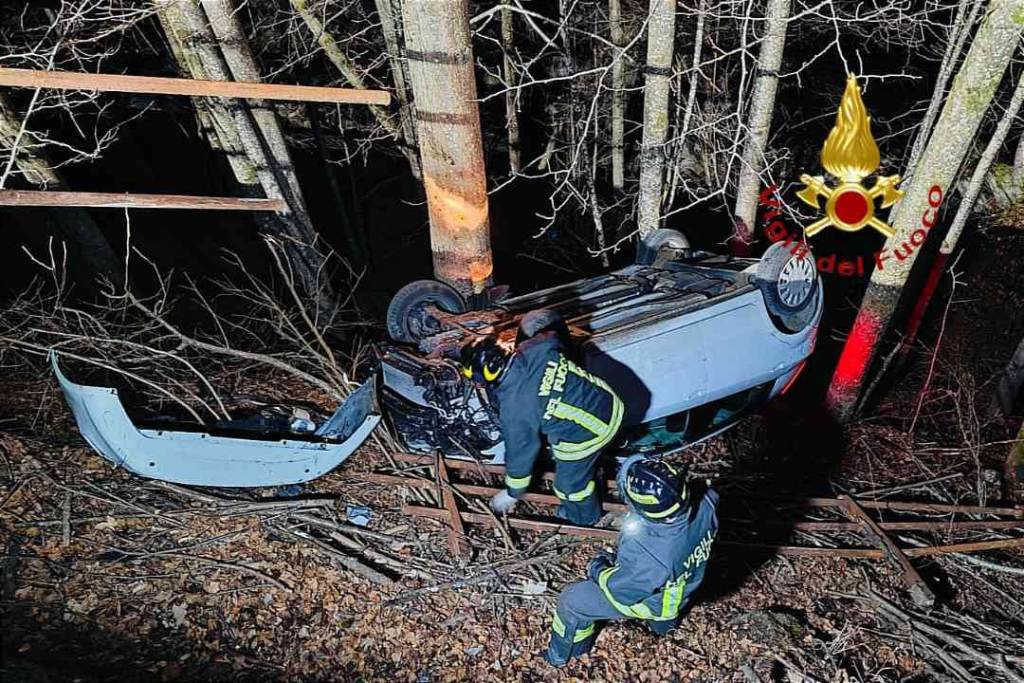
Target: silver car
690, 341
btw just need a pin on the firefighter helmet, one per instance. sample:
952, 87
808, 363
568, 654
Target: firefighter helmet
656, 489
484, 359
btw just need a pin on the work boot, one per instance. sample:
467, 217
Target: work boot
586, 513
662, 628
559, 651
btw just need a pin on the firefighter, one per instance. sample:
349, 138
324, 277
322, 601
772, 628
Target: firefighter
663, 550
539, 392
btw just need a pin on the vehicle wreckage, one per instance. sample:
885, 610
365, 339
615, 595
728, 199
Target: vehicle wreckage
691, 341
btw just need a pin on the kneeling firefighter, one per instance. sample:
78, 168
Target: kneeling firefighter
663, 550
539, 391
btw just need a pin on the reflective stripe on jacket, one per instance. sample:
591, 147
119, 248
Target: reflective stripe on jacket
659, 565
544, 393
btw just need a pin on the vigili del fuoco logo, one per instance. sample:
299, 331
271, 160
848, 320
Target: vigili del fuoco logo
850, 154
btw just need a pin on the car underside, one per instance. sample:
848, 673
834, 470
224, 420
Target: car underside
690, 341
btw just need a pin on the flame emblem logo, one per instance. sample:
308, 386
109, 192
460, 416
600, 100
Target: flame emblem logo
850, 154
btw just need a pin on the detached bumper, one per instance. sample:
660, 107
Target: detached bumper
203, 459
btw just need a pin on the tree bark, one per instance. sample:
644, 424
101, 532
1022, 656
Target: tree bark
962, 114
958, 33
618, 96
963, 212
213, 43
390, 27
661, 26
85, 237
759, 121
337, 57
511, 96
682, 150
448, 127
215, 118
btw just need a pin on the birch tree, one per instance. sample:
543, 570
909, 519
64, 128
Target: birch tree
448, 128
661, 27
618, 96
962, 114
512, 95
209, 40
759, 119
331, 48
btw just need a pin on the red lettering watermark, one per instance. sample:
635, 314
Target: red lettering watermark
776, 231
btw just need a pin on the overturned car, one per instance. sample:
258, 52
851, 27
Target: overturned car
691, 342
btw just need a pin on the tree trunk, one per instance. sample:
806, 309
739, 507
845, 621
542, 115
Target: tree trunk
962, 114
215, 119
618, 96
682, 150
1011, 381
511, 96
337, 57
448, 127
1018, 165
85, 237
214, 45
759, 121
1015, 466
963, 212
390, 28
958, 32
661, 25
235, 48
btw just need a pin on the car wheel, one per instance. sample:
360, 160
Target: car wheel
662, 238
789, 283
408, 319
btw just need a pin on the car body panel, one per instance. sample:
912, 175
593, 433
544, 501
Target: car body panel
689, 342
678, 363
204, 459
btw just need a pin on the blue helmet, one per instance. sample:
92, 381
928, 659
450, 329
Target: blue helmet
656, 489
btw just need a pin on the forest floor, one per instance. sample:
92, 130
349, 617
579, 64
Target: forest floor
110, 577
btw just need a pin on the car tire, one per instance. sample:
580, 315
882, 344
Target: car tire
408, 321
649, 247
789, 283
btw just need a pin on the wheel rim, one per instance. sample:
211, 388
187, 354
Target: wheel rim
796, 281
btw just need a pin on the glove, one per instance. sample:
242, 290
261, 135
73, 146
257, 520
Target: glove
503, 502
603, 560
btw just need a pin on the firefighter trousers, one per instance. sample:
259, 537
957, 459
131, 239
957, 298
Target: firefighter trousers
573, 624
577, 490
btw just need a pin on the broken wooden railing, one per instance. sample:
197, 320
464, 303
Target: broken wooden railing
857, 520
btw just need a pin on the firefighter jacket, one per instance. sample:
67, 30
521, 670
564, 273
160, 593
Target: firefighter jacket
660, 564
544, 393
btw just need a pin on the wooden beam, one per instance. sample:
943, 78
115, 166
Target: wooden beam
157, 85
612, 506
920, 592
457, 542
795, 501
119, 200
791, 550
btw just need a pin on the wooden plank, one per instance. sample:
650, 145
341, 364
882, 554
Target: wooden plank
920, 592
789, 550
936, 508
119, 200
158, 85
473, 466
610, 506
457, 532
473, 490
976, 547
